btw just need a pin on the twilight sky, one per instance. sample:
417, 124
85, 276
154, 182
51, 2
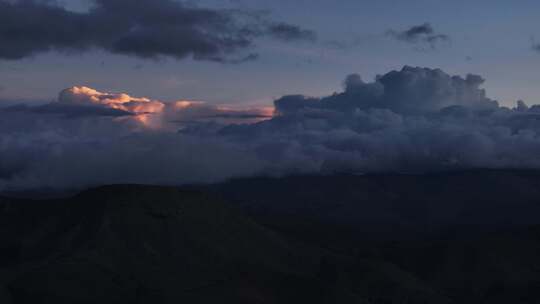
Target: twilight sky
491, 38
167, 92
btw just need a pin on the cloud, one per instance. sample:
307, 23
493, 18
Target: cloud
88, 137
177, 112
67, 110
82, 101
536, 47
145, 29
410, 120
409, 91
420, 34
289, 32
124, 102
415, 119
200, 112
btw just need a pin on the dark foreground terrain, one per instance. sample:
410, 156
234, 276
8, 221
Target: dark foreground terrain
461, 237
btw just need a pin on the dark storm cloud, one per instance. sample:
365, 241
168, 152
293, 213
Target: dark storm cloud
413, 119
145, 28
423, 33
536, 47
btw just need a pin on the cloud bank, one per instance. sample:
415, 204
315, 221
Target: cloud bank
411, 120
143, 28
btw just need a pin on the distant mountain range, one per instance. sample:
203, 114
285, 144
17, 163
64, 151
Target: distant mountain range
393, 206
454, 237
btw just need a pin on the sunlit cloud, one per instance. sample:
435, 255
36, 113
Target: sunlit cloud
159, 114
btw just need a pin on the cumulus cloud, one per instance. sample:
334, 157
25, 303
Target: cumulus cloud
163, 113
420, 34
81, 102
409, 91
146, 29
414, 119
88, 96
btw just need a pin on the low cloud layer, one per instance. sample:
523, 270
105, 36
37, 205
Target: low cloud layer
145, 29
411, 120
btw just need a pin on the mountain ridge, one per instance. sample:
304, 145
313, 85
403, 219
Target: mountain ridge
279, 240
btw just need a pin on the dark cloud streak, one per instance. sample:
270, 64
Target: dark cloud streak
65, 110
145, 29
423, 33
288, 32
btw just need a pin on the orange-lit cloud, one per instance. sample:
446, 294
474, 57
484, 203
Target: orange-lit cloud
158, 114
121, 101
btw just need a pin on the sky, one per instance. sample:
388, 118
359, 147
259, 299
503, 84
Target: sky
172, 92
490, 38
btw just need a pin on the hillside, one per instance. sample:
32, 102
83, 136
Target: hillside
392, 206
317, 239
134, 244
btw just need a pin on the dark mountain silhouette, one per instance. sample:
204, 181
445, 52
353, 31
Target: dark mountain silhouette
136, 244
459, 237
393, 206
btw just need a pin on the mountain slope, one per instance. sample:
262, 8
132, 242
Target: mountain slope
130, 244
392, 206
460, 237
